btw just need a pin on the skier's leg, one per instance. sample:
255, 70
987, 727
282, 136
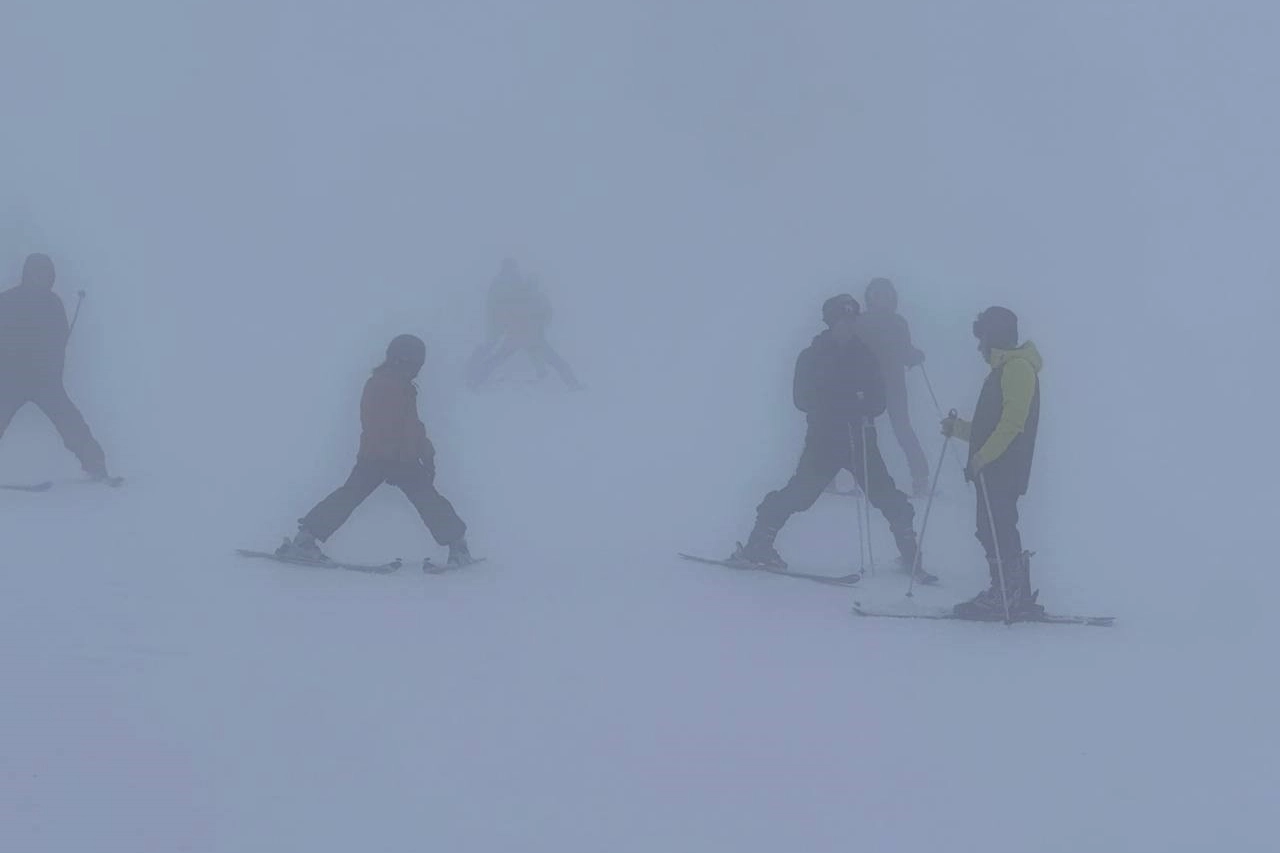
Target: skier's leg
417, 481
486, 365
900, 420
11, 399
332, 512
548, 354
819, 463
534, 352
885, 495
66, 418
1004, 520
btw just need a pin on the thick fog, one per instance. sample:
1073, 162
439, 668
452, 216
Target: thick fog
255, 197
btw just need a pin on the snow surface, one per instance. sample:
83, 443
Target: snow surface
257, 196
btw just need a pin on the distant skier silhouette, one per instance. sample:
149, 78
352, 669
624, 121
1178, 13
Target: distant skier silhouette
519, 314
33, 354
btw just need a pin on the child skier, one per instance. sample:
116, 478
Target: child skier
394, 449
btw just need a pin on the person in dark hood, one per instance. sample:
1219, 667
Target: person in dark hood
1002, 442
840, 388
33, 353
394, 449
519, 315
887, 334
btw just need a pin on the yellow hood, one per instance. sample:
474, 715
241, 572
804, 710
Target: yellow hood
1027, 352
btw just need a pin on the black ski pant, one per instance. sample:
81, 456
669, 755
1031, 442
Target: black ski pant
51, 398
540, 353
1000, 527
900, 420
415, 479
826, 452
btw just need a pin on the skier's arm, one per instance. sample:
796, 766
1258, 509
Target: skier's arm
1017, 388
382, 419
875, 399
910, 355
426, 450
55, 331
957, 428
804, 390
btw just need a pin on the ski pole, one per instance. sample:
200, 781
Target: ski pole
929, 385
928, 508
862, 531
995, 542
76, 315
866, 491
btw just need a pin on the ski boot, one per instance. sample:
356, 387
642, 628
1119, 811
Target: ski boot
459, 554
908, 553
1023, 606
303, 546
1022, 599
759, 552
986, 606
98, 474
923, 575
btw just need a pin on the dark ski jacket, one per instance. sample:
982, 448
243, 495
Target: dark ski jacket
837, 386
33, 335
391, 428
887, 335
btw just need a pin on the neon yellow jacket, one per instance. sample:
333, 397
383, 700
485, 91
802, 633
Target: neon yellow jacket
1018, 387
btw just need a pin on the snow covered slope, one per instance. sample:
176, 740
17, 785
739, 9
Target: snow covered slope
258, 195
583, 689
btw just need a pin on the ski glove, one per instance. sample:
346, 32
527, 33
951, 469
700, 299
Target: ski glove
955, 427
974, 468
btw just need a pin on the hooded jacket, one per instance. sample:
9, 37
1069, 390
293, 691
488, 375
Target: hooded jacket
1007, 418
837, 385
887, 335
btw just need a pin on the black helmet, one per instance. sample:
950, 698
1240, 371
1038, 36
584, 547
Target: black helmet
838, 307
407, 350
997, 328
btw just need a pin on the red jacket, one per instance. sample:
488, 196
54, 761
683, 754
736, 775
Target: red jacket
392, 430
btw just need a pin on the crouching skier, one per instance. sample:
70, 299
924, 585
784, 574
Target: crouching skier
394, 449
1002, 441
839, 386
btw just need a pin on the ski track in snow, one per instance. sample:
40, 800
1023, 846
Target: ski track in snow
584, 689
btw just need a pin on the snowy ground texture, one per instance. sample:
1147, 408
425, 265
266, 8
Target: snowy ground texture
256, 195
583, 689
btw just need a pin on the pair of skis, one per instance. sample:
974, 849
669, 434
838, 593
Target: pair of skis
113, 482
368, 568
907, 612
830, 580
945, 613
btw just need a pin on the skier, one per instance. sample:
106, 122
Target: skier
1002, 441
839, 387
394, 449
33, 353
887, 334
519, 315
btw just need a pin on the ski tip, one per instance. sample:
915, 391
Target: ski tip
28, 487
